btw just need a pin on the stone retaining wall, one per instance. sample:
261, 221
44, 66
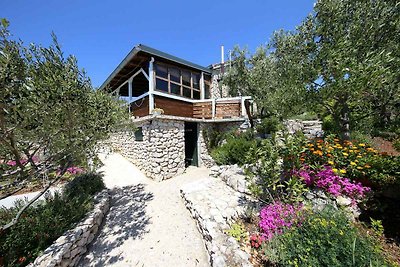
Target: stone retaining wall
233, 176
214, 206
68, 249
161, 154
310, 129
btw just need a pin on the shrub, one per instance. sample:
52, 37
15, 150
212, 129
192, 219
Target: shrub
357, 161
269, 126
234, 151
396, 144
213, 137
323, 239
332, 183
83, 185
44, 222
277, 217
269, 176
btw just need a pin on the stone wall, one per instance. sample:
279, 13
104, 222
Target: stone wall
310, 129
161, 154
218, 90
233, 176
68, 249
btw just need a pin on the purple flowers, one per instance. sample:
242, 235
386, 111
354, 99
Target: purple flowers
278, 216
334, 184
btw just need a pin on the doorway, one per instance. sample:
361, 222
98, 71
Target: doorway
191, 149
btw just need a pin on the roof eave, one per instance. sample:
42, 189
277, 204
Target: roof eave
128, 58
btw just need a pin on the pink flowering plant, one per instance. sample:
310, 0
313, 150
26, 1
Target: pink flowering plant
326, 179
278, 216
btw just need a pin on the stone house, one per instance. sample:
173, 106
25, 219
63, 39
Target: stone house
171, 102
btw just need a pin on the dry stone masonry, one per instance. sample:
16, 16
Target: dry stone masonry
68, 249
233, 176
310, 129
214, 206
161, 154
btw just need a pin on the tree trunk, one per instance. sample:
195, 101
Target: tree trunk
345, 119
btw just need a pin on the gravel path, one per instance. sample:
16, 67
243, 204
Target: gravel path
148, 224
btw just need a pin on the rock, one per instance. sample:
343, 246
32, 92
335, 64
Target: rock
343, 201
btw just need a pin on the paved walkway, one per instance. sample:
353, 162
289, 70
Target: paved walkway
148, 224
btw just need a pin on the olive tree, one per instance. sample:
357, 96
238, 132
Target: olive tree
51, 118
343, 60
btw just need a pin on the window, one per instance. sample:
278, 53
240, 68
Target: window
177, 81
162, 85
139, 134
207, 84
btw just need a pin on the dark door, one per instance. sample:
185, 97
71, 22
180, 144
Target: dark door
191, 136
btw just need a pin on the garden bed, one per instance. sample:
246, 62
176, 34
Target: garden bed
44, 222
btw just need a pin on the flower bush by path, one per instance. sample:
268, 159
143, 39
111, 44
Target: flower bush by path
276, 217
332, 183
356, 161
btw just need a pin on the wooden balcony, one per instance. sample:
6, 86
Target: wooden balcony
222, 108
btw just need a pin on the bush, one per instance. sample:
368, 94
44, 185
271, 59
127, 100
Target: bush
269, 126
396, 144
327, 238
234, 151
83, 185
47, 220
213, 137
357, 161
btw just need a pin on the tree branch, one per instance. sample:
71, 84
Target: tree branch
27, 205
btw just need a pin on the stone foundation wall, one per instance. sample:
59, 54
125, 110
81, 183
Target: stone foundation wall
68, 249
161, 154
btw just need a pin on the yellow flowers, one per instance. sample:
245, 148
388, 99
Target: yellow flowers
343, 171
331, 162
361, 145
359, 168
335, 170
345, 154
353, 163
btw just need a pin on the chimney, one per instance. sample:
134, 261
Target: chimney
222, 59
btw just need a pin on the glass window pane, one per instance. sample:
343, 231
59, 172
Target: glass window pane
186, 78
175, 89
196, 94
187, 92
175, 75
161, 71
161, 85
196, 80
206, 91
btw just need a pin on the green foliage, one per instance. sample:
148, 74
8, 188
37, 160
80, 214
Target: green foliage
269, 125
396, 144
44, 222
234, 151
377, 227
305, 116
270, 177
84, 184
49, 111
342, 61
213, 137
360, 137
327, 238
237, 231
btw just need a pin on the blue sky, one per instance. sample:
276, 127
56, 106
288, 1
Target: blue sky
101, 33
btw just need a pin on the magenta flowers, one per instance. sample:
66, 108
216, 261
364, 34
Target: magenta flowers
278, 216
336, 185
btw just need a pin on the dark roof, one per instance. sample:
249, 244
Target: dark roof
153, 52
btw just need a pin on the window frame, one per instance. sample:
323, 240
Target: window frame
180, 84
